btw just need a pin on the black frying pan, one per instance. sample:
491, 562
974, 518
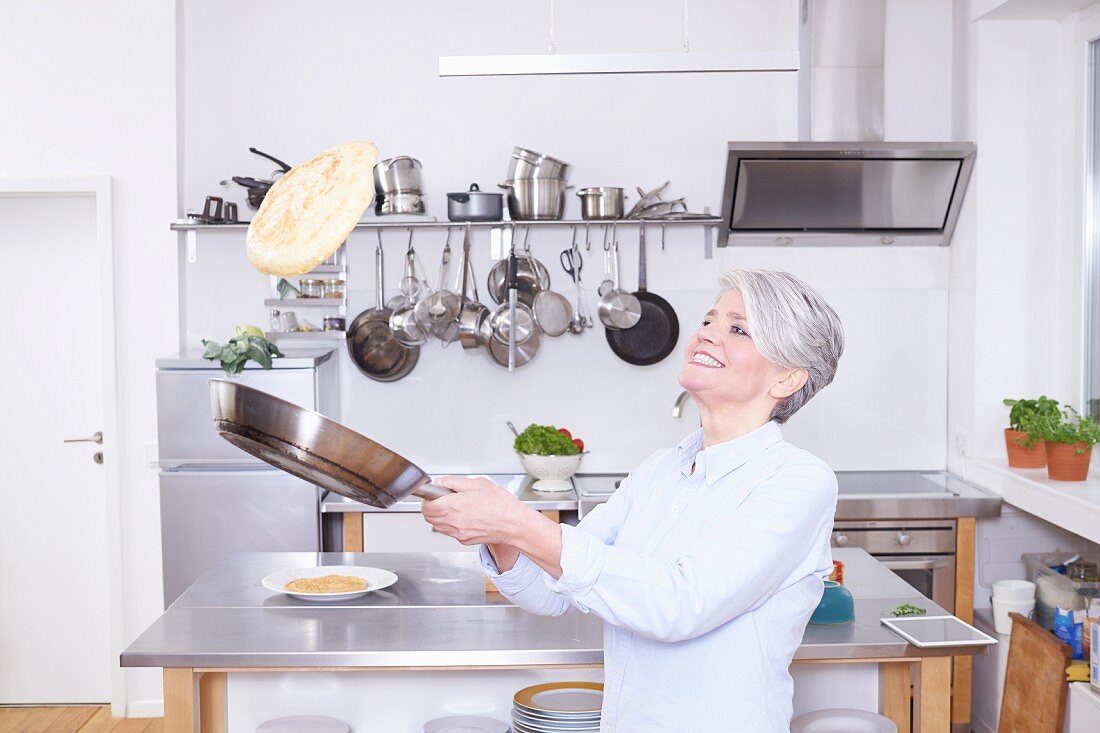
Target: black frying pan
655, 334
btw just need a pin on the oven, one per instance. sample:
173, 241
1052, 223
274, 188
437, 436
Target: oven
921, 552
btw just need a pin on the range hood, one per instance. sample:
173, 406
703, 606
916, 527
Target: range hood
854, 193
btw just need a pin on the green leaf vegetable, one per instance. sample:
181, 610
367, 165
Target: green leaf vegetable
544, 440
249, 343
1028, 415
1068, 427
908, 609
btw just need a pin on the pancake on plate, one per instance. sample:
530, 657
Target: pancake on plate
327, 584
309, 212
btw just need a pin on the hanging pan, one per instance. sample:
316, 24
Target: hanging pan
308, 445
371, 343
655, 335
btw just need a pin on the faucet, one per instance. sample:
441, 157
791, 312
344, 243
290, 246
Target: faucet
678, 408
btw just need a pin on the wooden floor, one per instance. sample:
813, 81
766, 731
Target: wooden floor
88, 719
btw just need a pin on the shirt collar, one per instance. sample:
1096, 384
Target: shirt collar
723, 458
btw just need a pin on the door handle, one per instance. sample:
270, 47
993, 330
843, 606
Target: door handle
96, 437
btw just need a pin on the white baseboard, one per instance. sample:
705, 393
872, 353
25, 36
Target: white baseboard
145, 709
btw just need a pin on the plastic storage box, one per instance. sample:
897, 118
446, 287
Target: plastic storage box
1053, 589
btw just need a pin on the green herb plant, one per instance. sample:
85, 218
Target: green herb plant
544, 440
1028, 415
907, 609
1069, 427
249, 343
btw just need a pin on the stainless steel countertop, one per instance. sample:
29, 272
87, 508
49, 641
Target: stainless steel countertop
437, 615
863, 495
518, 483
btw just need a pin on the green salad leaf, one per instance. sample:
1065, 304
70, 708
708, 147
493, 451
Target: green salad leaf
249, 343
907, 609
544, 440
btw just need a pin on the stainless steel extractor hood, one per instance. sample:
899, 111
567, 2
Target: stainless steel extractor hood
855, 193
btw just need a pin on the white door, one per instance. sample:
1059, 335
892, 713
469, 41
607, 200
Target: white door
54, 626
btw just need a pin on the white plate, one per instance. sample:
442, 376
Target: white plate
376, 578
465, 724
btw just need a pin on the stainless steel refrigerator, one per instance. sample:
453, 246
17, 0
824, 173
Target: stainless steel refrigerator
215, 499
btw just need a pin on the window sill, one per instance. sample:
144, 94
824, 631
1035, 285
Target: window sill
1072, 505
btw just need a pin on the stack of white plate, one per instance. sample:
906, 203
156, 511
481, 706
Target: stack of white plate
558, 706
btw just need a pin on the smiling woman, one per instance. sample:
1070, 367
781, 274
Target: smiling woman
708, 561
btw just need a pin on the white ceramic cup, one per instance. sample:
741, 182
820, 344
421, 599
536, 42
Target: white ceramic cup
1001, 608
1014, 590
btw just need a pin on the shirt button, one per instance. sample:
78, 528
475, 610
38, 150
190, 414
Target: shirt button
676, 509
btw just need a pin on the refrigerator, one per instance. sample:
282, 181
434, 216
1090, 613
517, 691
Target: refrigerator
215, 499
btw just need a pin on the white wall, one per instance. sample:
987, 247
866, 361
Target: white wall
89, 88
96, 92
617, 130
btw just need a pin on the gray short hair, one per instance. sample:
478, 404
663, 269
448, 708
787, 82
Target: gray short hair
792, 326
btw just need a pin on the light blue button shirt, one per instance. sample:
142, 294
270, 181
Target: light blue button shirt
705, 581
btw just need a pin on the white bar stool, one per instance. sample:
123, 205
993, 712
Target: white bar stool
304, 724
842, 720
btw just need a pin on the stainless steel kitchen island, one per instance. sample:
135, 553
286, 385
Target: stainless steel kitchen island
439, 617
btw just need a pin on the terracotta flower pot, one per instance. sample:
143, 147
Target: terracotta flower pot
1024, 456
1065, 464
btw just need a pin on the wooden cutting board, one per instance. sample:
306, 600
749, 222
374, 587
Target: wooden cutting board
1035, 680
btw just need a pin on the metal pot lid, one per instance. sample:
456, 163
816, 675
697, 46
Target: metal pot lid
599, 190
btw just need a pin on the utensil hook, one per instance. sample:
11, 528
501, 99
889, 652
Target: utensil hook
662, 237
606, 244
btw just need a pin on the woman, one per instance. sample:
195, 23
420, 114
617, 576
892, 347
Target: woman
707, 562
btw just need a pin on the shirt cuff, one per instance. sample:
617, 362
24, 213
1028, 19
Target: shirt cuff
582, 559
522, 574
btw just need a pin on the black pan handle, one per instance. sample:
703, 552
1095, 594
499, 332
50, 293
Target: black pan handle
272, 158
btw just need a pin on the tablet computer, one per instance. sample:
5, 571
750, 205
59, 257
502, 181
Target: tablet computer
930, 631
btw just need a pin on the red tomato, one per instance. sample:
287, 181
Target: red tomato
566, 433
579, 443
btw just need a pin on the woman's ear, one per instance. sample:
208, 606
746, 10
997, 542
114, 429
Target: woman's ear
788, 384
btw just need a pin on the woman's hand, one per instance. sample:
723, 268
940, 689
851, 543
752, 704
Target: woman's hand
478, 513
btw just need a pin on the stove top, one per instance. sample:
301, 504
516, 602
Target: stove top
895, 483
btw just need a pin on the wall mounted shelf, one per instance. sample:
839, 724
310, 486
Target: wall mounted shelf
707, 221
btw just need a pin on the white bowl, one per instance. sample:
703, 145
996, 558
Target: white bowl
1014, 590
551, 473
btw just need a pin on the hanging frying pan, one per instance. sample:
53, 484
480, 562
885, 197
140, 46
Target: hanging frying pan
308, 445
371, 343
655, 335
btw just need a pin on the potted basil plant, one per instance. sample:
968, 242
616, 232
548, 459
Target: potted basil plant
1069, 439
1023, 441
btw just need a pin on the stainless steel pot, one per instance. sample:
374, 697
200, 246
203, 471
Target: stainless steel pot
398, 203
602, 202
475, 205
534, 199
529, 164
397, 175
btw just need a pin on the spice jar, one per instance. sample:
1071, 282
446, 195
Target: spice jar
334, 323
333, 288
311, 288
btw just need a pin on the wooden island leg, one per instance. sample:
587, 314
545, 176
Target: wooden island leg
932, 693
964, 609
893, 683
353, 532
181, 700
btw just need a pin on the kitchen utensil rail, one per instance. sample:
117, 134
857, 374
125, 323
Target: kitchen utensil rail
181, 225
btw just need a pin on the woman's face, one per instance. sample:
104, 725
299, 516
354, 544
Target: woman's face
721, 362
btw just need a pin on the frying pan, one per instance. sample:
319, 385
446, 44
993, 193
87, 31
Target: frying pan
371, 343
655, 335
308, 445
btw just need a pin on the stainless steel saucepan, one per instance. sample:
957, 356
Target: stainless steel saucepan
308, 445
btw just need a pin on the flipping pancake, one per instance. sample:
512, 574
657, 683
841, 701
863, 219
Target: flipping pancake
308, 213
